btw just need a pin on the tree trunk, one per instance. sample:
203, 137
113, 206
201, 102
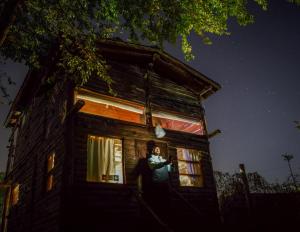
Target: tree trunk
8, 17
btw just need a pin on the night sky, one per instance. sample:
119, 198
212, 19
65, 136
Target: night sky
258, 67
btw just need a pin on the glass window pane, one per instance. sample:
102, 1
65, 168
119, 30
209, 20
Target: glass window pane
178, 123
49, 182
104, 160
111, 107
189, 166
188, 154
15, 194
50, 162
193, 181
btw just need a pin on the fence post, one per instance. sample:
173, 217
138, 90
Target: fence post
246, 192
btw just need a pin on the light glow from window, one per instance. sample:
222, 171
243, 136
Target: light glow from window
110, 107
189, 165
177, 123
104, 160
15, 194
50, 168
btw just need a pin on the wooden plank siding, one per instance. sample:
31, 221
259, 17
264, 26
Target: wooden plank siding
128, 82
39, 135
75, 204
106, 196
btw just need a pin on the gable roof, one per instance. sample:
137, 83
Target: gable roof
163, 63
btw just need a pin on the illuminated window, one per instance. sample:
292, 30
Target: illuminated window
177, 122
111, 107
50, 169
104, 160
15, 194
189, 165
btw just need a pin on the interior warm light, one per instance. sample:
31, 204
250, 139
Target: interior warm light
104, 160
15, 194
49, 183
110, 103
50, 162
174, 117
177, 123
111, 107
50, 169
189, 166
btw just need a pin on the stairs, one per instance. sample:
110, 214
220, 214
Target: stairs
182, 216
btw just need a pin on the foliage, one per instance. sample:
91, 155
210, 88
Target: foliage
295, 1
32, 29
227, 184
73, 28
5, 80
230, 184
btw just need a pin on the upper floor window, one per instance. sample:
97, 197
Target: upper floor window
189, 165
104, 160
116, 108
111, 107
176, 122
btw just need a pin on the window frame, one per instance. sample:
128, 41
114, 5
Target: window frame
155, 110
202, 175
114, 103
123, 162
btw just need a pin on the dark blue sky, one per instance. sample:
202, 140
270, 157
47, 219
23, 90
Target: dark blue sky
258, 67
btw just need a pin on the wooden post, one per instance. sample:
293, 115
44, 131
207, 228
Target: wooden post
246, 191
148, 112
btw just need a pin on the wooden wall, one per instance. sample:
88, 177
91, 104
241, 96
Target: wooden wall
76, 204
40, 134
114, 199
129, 82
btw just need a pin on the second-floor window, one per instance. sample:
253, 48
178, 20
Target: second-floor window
111, 107
177, 122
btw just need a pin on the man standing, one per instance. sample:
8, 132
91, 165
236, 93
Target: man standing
159, 193
159, 166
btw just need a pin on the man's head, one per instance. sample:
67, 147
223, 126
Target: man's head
156, 150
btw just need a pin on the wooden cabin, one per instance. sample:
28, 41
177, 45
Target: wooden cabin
75, 151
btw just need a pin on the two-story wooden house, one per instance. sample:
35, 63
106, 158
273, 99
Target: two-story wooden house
74, 151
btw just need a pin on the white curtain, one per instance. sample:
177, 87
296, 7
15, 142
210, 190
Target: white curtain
100, 159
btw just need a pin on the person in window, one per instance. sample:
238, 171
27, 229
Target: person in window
160, 167
158, 195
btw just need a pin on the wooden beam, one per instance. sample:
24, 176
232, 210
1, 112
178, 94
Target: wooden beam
214, 133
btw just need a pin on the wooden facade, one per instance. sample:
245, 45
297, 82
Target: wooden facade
53, 124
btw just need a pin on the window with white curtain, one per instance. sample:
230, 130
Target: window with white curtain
104, 160
189, 165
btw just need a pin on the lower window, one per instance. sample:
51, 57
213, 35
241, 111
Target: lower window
15, 194
104, 160
189, 165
